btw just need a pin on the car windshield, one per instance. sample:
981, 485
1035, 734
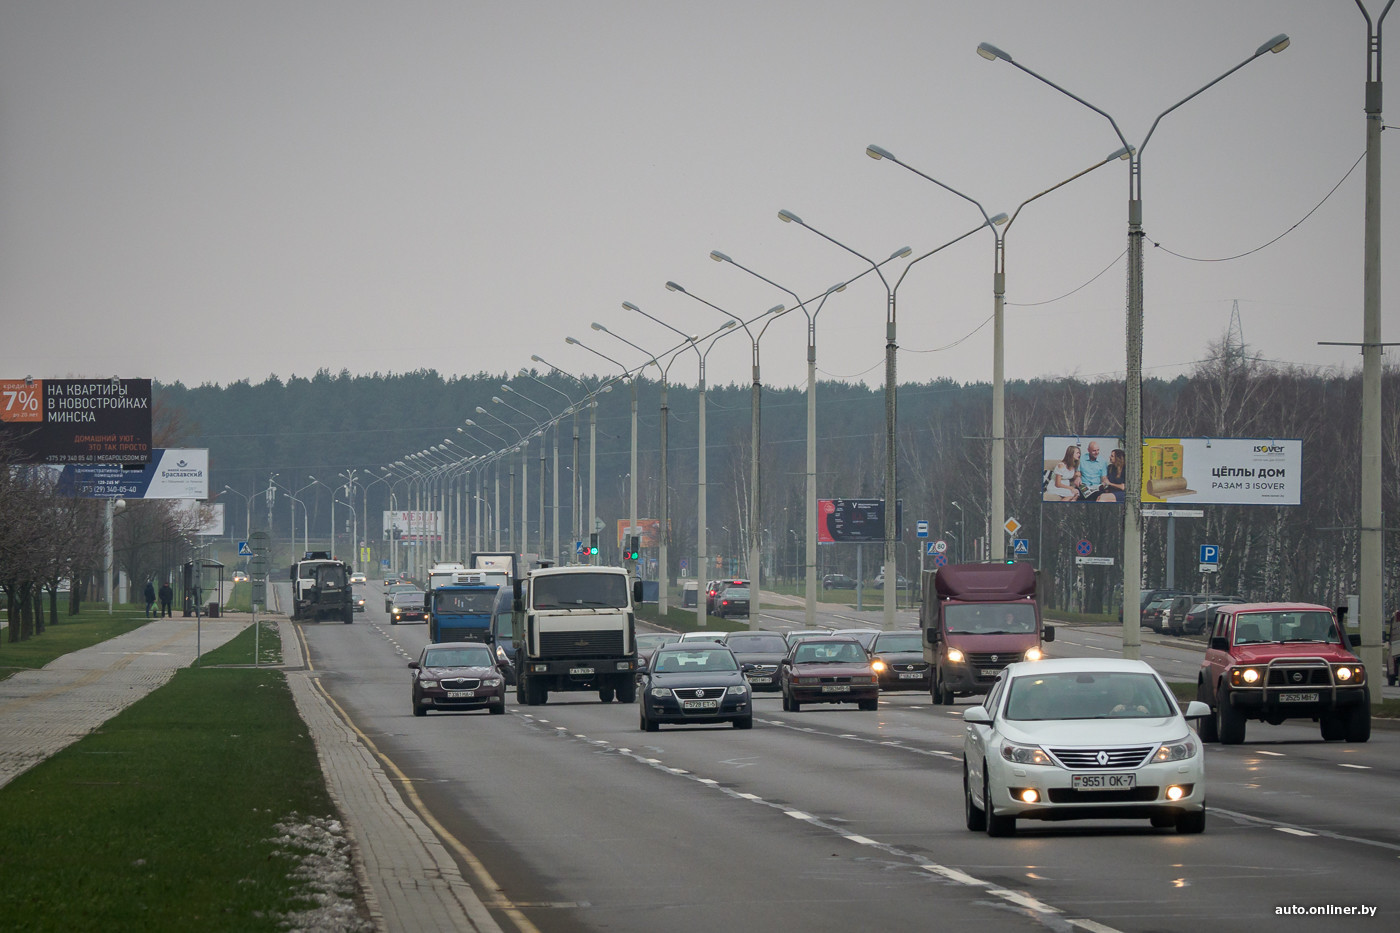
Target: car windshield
408, 599
470, 656
735, 592
678, 661
580, 591
1257, 628
990, 618
476, 602
648, 642
1087, 695
829, 652
900, 641
772, 644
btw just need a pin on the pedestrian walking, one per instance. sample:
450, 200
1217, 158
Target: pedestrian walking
150, 595
167, 595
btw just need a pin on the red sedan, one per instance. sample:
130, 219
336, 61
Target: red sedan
828, 670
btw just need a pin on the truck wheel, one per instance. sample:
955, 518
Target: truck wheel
936, 691
1358, 719
349, 617
605, 694
627, 692
1229, 722
536, 694
520, 692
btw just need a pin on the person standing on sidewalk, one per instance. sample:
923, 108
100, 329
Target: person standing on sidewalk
167, 595
150, 595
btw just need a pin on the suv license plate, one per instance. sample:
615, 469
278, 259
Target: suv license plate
836, 688
1297, 697
580, 670
1104, 781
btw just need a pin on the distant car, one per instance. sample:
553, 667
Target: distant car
407, 607
759, 655
240, 577
716, 587
1082, 738
691, 684
700, 635
863, 635
898, 659
647, 644
797, 635
732, 601
838, 581
358, 578
396, 588
1154, 614
901, 581
457, 676
828, 670
357, 600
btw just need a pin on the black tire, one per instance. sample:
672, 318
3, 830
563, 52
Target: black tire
627, 692
868, 705
936, 691
1357, 721
787, 702
647, 724
498, 710
794, 706
1229, 722
393, 621
1163, 820
1333, 726
536, 694
605, 694
349, 618
419, 710
1206, 728
746, 723
1191, 823
973, 815
997, 826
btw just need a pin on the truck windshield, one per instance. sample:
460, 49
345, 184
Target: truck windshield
989, 618
330, 575
470, 602
580, 591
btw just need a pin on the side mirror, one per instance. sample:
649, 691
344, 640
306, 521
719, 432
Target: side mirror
636, 591
1219, 643
1197, 710
1355, 640
931, 635
977, 716
414, 665
1047, 633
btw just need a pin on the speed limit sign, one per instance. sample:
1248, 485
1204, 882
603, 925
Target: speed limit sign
940, 546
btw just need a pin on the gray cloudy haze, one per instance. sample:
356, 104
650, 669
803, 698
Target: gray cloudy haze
216, 191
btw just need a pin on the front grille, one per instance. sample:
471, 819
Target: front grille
699, 693
989, 662
581, 644
1070, 795
1296, 675
920, 666
834, 680
761, 668
461, 683
1102, 758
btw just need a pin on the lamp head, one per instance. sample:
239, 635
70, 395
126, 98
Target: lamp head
789, 217
717, 256
997, 220
628, 306
775, 309
836, 288
1125, 153
598, 327
570, 340
480, 410
470, 422
672, 286
497, 400
535, 359
876, 153
730, 324
900, 253
1277, 44
991, 53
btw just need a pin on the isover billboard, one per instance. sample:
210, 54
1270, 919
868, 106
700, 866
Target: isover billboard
1222, 471
77, 420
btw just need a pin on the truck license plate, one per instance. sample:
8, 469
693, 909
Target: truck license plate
1104, 781
580, 670
1297, 697
990, 672
836, 688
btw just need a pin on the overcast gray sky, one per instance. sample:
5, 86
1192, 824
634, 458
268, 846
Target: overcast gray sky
215, 191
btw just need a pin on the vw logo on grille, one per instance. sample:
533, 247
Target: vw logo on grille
1297, 677
1102, 759
699, 694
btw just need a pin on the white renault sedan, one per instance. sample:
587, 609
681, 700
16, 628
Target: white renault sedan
1081, 739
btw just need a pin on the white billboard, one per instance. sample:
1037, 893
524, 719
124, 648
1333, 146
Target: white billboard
413, 525
1222, 471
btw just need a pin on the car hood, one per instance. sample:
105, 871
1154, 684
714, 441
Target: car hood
1262, 654
759, 657
900, 657
1088, 732
696, 679
438, 673
841, 669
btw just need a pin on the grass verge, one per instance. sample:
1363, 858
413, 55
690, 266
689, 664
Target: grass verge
179, 813
70, 634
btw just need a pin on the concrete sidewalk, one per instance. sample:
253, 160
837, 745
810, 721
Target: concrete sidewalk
409, 880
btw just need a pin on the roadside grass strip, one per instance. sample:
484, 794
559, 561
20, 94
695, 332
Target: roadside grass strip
201, 806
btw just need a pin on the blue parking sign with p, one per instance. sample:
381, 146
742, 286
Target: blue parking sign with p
1210, 553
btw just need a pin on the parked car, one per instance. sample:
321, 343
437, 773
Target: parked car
899, 580
1181, 605
828, 670
407, 607
688, 684
1277, 661
732, 601
838, 581
1082, 738
648, 642
759, 655
1198, 618
457, 676
898, 660
1154, 614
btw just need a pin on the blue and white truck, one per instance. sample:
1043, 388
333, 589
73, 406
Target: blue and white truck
460, 610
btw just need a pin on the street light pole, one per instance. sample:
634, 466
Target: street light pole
1132, 415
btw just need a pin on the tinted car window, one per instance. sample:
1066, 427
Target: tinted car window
770, 643
898, 641
471, 656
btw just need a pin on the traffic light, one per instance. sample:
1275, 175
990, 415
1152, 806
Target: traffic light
634, 547
593, 544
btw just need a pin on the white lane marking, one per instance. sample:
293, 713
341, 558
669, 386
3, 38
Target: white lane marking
1260, 751
1023, 900
798, 814
1294, 832
1357, 767
862, 840
1093, 926
952, 874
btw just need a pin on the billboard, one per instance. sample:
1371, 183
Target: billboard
855, 520
650, 531
77, 420
1082, 468
177, 473
1222, 471
413, 525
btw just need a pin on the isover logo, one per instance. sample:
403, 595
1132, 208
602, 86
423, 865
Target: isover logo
1268, 449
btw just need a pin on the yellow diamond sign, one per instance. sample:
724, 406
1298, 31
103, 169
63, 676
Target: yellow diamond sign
1012, 526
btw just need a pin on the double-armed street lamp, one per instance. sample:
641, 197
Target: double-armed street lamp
591, 399
551, 422
519, 444
540, 427
1132, 415
572, 410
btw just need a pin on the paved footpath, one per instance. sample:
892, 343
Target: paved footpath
410, 881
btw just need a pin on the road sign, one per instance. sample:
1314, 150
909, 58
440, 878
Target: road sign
1095, 561
940, 560
932, 547
1210, 568
921, 529
1084, 548
1020, 546
940, 546
244, 549
1012, 526
1210, 554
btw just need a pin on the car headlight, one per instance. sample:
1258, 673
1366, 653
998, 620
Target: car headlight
657, 692
739, 689
1349, 674
955, 656
858, 679
1025, 754
1179, 750
429, 684
1245, 676
501, 654
491, 682
1034, 654
879, 665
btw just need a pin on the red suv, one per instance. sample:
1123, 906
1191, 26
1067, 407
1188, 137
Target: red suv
1277, 661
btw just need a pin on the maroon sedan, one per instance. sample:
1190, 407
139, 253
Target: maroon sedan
828, 670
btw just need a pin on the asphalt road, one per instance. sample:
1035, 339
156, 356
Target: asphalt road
834, 818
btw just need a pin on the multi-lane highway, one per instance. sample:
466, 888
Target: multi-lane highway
568, 817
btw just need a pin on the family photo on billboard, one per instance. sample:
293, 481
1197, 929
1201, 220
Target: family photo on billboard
1083, 469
